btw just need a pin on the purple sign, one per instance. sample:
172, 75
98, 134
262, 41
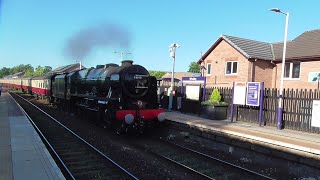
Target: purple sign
253, 94
194, 79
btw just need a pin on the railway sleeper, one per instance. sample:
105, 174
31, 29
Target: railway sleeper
96, 174
83, 162
62, 149
72, 153
88, 167
76, 158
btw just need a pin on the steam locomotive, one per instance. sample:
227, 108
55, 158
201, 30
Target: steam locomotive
124, 96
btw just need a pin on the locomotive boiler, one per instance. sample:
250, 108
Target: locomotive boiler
123, 96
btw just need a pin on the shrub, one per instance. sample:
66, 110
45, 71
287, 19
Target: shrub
215, 96
215, 99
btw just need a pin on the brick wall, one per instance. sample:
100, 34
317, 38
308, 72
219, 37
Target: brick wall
302, 83
262, 72
218, 58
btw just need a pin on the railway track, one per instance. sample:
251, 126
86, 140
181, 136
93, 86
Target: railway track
78, 159
202, 164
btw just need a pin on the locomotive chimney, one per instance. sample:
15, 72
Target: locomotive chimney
126, 63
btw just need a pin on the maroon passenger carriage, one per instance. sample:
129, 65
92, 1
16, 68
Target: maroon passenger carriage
26, 85
41, 86
14, 83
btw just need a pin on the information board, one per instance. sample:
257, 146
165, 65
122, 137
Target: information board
239, 93
193, 92
315, 121
253, 94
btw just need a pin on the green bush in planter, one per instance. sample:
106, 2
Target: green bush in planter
215, 99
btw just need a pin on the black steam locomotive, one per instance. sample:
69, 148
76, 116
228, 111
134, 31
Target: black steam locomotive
122, 96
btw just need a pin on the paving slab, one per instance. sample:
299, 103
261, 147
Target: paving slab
22, 152
295, 140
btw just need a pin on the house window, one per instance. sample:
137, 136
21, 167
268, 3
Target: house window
232, 67
209, 69
292, 70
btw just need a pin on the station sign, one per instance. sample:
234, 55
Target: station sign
193, 86
240, 93
253, 94
193, 80
315, 120
193, 92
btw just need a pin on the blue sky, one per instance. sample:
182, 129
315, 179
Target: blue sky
37, 32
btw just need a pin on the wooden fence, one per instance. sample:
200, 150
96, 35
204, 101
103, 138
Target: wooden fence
297, 108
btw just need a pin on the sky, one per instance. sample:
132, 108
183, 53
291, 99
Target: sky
61, 32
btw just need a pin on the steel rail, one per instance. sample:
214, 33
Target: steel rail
45, 139
91, 146
182, 165
219, 160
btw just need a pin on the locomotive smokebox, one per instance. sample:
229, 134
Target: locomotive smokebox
126, 63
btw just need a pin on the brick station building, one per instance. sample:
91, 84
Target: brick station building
233, 59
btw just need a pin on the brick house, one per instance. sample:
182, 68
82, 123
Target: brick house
237, 59
178, 77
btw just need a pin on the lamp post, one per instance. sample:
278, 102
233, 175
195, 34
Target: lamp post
172, 51
80, 65
121, 54
280, 107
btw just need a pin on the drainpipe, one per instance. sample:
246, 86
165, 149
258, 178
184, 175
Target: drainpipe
274, 83
252, 74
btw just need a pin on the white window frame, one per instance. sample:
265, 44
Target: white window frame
291, 71
208, 68
231, 72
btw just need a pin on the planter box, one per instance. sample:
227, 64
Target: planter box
214, 112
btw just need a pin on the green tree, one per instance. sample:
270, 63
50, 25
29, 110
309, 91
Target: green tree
4, 72
39, 71
21, 68
157, 74
194, 67
28, 70
47, 69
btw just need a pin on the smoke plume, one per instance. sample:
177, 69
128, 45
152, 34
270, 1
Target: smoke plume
104, 35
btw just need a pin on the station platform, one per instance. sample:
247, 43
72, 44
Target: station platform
294, 144
22, 153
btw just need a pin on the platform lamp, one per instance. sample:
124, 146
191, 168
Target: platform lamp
79, 64
172, 51
121, 54
280, 107
202, 66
